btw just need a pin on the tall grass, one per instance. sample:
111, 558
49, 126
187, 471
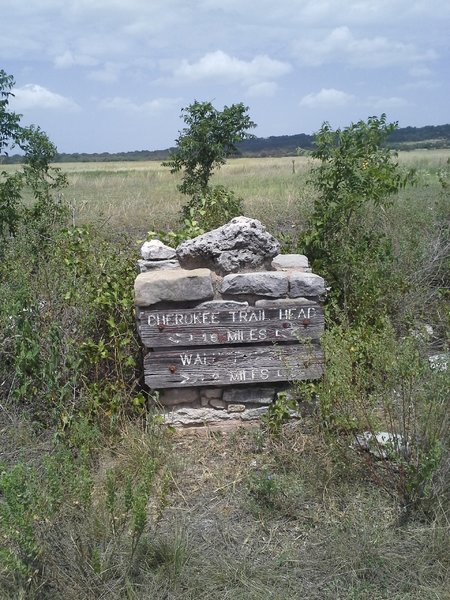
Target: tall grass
140, 196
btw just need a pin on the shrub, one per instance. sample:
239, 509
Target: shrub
355, 172
68, 340
36, 178
374, 382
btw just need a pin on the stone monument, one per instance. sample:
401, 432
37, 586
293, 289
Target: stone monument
226, 321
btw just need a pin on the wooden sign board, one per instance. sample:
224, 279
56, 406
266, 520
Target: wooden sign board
201, 327
232, 366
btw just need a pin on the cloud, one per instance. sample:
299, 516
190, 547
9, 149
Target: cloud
107, 73
127, 105
332, 98
219, 66
420, 71
340, 45
35, 96
383, 104
327, 98
262, 89
67, 59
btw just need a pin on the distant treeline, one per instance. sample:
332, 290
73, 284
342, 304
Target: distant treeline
405, 138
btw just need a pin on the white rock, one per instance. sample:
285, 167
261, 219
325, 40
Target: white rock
243, 244
152, 265
381, 444
254, 413
156, 250
439, 362
283, 262
236, 408
195, 416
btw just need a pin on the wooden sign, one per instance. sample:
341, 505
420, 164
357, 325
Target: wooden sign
198, 327
232, 366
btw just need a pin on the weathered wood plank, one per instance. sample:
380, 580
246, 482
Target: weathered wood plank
196, 327
232, 366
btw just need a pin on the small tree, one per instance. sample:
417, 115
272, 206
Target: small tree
204, 145
36, 178
356, 171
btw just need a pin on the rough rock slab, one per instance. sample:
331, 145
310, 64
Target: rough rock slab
263, 283
212, 393
152, 265
175, 396
222, 305
236, 408
195, 416
172, 286
283, 262
439, 362
243, 244
218, 404
250, 395
254, 413
381, 444
156, 250
281, 302
305, 284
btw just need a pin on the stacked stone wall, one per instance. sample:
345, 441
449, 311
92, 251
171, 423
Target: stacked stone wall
226, 322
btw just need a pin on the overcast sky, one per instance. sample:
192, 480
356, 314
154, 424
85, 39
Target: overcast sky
112, 75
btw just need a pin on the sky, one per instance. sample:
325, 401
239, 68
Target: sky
113, 75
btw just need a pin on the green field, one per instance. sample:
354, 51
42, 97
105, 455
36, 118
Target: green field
138, 197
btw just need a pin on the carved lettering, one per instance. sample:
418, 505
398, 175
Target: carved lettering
191, 327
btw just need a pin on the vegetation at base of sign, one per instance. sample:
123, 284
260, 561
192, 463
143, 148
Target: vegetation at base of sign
97, 499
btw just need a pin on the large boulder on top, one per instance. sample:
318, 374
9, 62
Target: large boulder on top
243, 244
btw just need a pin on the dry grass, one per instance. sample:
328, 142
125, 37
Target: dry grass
244, 517
136, 197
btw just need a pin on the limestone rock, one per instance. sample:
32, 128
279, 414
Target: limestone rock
439, 362
210, 393
243, 244
280, 302
283, 262
381, 444
254, 413
305, 284
249, 395
172, 286
174, 396
195, 416
156, 250
152, 265
265, 283
218, 404
236, 408
222, 305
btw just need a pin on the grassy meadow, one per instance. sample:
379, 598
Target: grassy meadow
138, 197
99, 501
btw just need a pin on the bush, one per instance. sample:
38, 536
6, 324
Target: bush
36, 178
68, 340
346, 241
373, 383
